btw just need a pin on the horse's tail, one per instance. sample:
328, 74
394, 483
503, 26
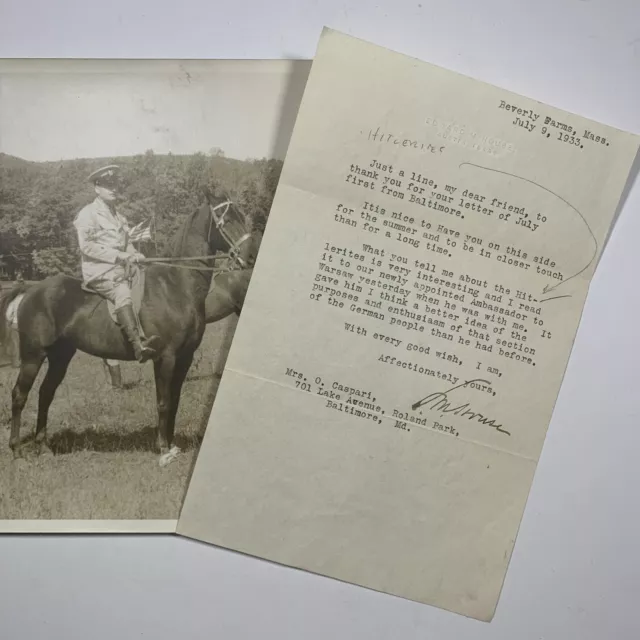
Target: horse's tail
5, 301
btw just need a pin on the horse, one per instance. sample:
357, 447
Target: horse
225, 298
58, 316
227, 295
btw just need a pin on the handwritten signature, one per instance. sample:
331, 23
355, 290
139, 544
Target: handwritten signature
440, 401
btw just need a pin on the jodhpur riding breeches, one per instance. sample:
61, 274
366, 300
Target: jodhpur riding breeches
119, 293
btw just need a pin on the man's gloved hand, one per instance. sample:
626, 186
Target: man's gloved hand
130, 259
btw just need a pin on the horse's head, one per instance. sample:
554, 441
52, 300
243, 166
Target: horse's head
230, 229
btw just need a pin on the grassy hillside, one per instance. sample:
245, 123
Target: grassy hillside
103, 465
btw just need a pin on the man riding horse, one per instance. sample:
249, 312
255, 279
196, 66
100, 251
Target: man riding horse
108, 256
58, 316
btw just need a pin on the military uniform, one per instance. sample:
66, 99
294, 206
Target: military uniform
107, 255
103, 236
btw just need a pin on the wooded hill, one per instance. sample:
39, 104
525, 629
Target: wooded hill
39, 200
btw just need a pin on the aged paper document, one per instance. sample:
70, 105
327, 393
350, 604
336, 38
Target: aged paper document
407, 328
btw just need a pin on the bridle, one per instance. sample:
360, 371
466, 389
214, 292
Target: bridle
219, 216
221, 220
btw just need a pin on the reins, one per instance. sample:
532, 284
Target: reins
232, 254
173, 262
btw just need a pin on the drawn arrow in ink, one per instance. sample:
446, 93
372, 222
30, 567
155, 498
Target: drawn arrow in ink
555, 298
548, 288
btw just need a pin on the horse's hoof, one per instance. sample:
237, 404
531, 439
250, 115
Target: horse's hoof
45, 452
19, 462
169, 457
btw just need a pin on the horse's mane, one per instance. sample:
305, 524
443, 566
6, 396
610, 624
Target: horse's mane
176, 246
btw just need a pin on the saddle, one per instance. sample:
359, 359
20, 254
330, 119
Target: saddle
136, 282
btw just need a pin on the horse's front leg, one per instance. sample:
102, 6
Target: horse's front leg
180, 369
180, 373
163, 368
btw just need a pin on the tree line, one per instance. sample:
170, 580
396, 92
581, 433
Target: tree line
39, 200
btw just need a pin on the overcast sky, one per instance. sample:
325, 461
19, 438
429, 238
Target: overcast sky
77, 109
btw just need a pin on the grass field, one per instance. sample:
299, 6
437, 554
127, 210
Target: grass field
104, 466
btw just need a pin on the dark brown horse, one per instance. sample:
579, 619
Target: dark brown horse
225, 297
57, 317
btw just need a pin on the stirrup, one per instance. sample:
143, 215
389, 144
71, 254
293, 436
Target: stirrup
145, 353
152, 342
148, 348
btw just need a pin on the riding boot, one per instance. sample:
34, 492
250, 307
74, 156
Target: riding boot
143, 349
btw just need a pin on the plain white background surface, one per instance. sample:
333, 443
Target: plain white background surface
575, 571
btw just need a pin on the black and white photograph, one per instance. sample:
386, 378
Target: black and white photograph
133, 199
